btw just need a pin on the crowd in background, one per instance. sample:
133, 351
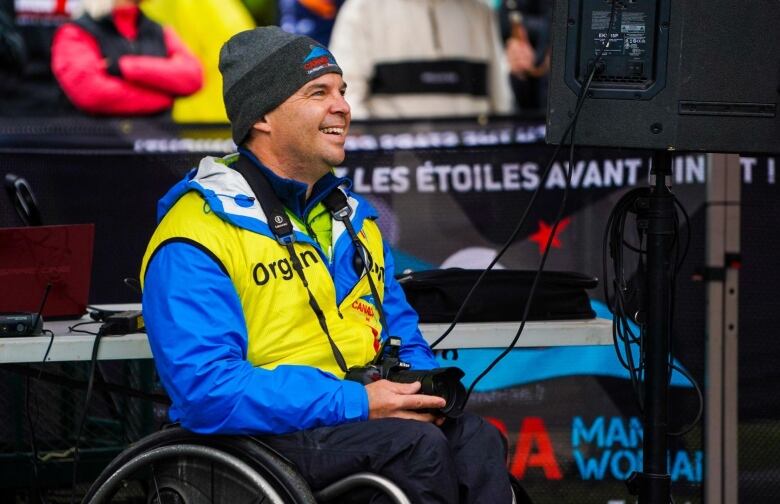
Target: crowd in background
401, 58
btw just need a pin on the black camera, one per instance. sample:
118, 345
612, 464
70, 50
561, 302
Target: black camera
442, 382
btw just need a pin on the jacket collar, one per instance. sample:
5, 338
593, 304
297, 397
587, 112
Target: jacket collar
292, 193
229, 196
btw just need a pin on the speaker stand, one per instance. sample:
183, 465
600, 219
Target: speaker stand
653, 484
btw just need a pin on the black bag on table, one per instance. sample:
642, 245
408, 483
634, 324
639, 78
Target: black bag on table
437, 295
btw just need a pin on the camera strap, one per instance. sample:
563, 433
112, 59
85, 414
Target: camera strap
282, 228
336, 203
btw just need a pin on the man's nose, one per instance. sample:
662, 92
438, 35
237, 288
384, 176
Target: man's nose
340, 105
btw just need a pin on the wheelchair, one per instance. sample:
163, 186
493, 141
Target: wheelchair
175, 466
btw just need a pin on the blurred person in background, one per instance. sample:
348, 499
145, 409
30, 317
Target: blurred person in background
27, 87
313, 18
421, 58
12, 52
113, 60
203, 25
525, 29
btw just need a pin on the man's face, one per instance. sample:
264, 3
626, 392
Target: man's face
308, 130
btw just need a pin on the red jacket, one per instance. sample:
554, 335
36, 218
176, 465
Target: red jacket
147, 85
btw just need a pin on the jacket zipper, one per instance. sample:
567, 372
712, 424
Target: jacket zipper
311, 232
329, 257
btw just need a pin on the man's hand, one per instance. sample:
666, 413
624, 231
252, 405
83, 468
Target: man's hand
400, 400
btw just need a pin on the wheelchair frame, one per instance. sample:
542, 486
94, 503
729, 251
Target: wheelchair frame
260, 465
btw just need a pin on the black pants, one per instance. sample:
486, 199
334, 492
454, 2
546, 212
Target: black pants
464, 461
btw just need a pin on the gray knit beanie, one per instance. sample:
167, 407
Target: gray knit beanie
263, 67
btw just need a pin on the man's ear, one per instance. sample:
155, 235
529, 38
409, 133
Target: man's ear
262, 125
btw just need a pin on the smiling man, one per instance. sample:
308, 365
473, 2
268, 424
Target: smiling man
257, 301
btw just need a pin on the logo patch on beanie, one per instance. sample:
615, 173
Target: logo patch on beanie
318, 58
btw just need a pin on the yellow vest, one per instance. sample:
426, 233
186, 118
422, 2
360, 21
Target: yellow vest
281, 326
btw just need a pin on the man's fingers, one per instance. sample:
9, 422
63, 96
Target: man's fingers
390, 399
410, 399
421, 401
405, 388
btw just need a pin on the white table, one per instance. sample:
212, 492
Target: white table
78, 347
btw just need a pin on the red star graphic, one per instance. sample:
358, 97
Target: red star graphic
541, 236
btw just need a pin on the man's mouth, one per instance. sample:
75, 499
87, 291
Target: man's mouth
333, 130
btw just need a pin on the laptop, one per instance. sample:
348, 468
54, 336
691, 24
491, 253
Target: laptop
33, 257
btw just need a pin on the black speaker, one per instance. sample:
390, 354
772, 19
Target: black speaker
690, 75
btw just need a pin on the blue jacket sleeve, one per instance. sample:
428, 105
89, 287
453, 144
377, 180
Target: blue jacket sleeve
197, 333
403, 320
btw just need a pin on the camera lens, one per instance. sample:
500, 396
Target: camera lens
440, 389
442, 382
454, 393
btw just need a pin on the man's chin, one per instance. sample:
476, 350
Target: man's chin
336, 159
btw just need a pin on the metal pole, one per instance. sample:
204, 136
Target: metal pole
655, 483
722, 275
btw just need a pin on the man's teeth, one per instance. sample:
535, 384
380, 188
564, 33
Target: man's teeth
333, 131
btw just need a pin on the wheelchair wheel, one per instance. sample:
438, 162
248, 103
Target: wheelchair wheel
175, 466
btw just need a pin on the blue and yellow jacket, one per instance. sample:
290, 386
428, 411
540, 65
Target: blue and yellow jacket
235, 342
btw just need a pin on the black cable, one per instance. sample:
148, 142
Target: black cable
74, 326
534, 284
688, 428
83, 418
537, 276
570, 131
688, 226
31, 424
636, 368
610, 242
33, 441
632, 248
48, 348
503, 248
624, 339
614, 241
543, 178
28, 414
